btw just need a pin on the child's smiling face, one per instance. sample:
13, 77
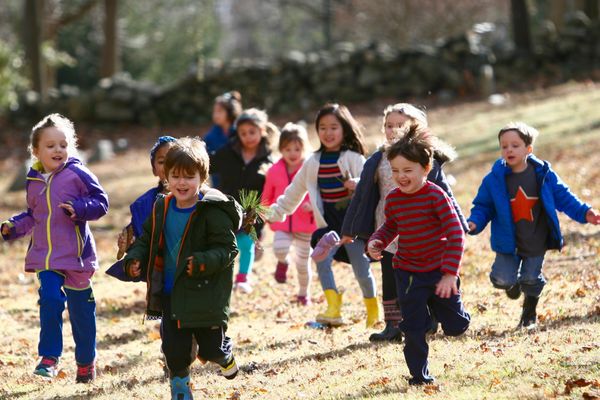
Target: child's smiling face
185, 186
158, 167
393, 122
250, 135
293, 154
52, 149
410, 176
331, 132
514, 150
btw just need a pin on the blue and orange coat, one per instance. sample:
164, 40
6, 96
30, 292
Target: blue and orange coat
57, 241
492, 203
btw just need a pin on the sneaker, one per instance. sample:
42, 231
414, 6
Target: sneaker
180, 388
48, 367
324, 246
243, 287
514, 292
303, 300
86, 373
422, 381
231, 370
281, 272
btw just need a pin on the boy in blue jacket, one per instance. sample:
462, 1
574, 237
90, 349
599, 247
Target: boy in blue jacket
521, 196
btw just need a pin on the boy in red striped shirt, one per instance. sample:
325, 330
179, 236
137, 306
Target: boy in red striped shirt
430, 248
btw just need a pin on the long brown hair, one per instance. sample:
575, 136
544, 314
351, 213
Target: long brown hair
353, 133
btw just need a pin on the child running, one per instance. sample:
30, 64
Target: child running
429, 250
62, 195
366, 210
329, 176
242, 164
226, 109
521, 196
294, 233
187, 251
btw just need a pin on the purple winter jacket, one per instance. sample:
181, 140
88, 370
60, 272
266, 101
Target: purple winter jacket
57, 241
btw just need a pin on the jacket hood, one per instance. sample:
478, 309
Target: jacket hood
225, 202
37, 167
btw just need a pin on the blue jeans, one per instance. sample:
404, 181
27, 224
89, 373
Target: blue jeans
360, 266
510, 269
82, 313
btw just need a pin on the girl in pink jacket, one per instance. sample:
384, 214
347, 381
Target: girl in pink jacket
295, 232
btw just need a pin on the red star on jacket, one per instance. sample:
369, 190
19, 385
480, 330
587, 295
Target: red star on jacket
522, 206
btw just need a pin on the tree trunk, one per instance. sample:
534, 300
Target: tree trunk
32, 34
110, 57
591, 9
520, 23
558, 9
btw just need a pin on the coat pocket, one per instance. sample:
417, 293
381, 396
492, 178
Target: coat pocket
202, 296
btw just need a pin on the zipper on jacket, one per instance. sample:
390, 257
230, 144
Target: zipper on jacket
79, 241
47, 266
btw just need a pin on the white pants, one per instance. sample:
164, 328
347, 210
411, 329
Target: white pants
283, 243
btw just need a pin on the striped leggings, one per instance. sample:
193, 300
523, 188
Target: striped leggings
283, 242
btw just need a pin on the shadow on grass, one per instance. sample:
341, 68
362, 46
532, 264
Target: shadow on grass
108, 340
374, 393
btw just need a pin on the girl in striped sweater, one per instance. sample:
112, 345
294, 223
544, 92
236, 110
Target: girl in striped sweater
330, 176
430, 248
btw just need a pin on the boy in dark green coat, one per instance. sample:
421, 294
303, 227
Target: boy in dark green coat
186, 252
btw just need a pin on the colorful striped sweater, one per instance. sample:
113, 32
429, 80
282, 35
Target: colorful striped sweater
429, 232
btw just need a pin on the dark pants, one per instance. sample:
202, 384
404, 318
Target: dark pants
388, 278
82, 314
177, 344
416, 295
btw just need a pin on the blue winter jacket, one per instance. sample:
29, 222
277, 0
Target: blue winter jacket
141, 209
360, 216
492, 203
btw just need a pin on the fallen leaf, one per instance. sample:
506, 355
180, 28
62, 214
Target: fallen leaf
580, 292
574, 383
61, 374
380, 381
153, 335
235, 395
431, 389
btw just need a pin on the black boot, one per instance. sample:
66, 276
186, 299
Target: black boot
514, 292
390, 334
529, 315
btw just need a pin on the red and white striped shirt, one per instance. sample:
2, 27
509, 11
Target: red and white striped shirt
429, 232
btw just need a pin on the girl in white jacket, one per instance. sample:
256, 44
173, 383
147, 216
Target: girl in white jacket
330, 176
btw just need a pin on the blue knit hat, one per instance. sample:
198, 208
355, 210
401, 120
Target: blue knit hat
161, 140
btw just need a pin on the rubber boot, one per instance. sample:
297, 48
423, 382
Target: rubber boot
391, 333
529, 315
281, 272
333, 315
372, 311
180, 388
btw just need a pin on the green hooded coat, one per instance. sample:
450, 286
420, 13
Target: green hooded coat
200, 300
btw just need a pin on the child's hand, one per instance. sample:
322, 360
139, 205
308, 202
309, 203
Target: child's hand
306, 207
472, 227
134, 269
5, 229
350, 185
345, 240
592, 216
374, 248
69, 209
446, 287
189, 269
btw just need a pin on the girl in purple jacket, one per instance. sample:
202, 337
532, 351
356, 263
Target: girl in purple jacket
295, 232
62, 195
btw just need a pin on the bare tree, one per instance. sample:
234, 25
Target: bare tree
32, 35
520, 25
110, 51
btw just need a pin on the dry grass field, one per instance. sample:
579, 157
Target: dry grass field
281, 358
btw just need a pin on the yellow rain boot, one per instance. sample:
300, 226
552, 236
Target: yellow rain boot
333, 315
372, 311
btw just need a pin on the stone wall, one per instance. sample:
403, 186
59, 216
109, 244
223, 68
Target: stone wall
479, 62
